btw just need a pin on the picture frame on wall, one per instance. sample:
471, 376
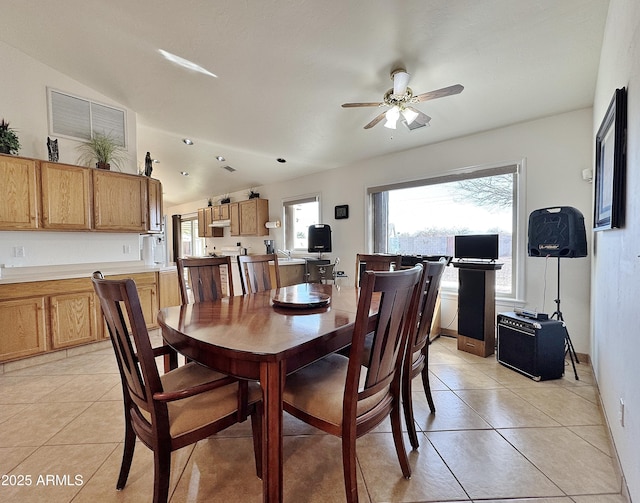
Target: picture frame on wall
611, 165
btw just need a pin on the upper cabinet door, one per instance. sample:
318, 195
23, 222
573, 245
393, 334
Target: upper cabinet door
155, 205
18, 193
66, 197
119, 201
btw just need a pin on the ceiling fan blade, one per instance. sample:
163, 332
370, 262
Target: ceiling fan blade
353, 105
440, 93
375, 121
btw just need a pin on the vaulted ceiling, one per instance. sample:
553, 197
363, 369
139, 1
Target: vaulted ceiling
284, 67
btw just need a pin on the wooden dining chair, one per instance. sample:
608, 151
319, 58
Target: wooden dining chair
255, 274
416, 360
176, 409
205, 278
340, 396
375, 262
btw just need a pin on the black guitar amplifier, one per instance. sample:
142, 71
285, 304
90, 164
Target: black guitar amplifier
534, 347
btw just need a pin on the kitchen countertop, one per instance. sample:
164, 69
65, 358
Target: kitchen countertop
56, 272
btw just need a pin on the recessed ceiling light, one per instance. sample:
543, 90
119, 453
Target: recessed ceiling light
220, 158
187, 141
280, 159
185, 63
184, 173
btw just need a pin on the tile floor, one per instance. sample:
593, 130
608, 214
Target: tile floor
496, 436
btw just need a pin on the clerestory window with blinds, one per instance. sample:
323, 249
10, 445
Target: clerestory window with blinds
80, 119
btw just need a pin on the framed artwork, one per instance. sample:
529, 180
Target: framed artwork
611, 165
342, 211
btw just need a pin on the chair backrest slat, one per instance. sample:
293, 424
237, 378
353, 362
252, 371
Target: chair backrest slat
205, 278
127, 328
433, 277
255, 272
398, 296
375, 262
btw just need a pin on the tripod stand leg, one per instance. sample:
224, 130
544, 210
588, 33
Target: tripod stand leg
572, 353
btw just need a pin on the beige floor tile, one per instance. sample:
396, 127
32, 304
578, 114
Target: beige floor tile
57, 472
313, 470
220, 470
463, 377
573, 464
8, 411
562, 405
89, 363
102, 422
40, 431
502, 408
596, 436
504, 472
39, 422
529, 500
10, 457
601, 498
451, 413
101, 487
29, 389
430, 477
84, 388
114, 394
587, 392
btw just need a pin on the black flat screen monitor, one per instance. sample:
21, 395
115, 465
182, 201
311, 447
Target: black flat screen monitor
476, 246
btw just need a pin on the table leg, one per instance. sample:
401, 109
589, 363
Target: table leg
272, 382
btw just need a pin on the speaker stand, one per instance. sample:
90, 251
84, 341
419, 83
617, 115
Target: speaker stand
568, 344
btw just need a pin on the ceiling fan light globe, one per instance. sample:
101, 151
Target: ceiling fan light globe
390, 124
409, 115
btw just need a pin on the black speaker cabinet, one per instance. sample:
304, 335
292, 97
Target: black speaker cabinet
532, 347
476, 307
319, 238
557, 232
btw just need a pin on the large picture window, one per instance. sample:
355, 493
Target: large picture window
422, 217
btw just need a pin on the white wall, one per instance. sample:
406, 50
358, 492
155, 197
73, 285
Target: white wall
555, 149
616, 261
23, 102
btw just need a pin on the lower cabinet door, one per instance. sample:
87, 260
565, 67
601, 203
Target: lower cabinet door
22, 328
73, 319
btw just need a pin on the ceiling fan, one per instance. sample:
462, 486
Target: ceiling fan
399, 100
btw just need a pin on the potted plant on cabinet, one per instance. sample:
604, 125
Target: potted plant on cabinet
102, 149
9, 143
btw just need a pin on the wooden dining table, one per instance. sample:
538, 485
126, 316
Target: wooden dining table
263, 337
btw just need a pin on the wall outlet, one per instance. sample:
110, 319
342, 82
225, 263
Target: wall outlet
18, 252
621, 413
126, 249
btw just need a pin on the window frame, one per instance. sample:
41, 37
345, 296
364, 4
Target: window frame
518, 168
287, 228
92, 123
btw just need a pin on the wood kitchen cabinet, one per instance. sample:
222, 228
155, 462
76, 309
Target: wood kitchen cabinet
120, 201
23, 325
168, 287
73, 318
154, 190
205, 218
19, 193
250, 217
66, 196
